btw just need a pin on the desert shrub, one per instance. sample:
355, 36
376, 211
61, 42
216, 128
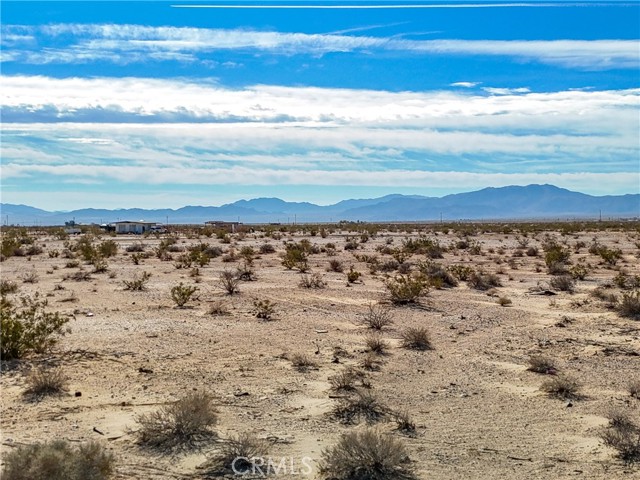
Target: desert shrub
404, 423
579, 272
504, 301
79, 276
28, 328
564, 283
406, 288
138, 283
416, 338
58, 460
532, 252
353, 275
345, 380
375, 343
542, 364
629, 305
377, 317
351, 245
609, 255
7, 287
72, 264
423, 246
366, 455
610, 298
389, 265
266, 248
30, 277
483, 281
634, 388
84, 246
218, 307
437, 275
182, 424
44, 382
264, 309
238, 455
33, 250
556, 258
181, 294
295, 256
183, 261
54, 253
362, 406
623, 435
370, 362
99, 265
461, 272
335, 266
303, 362
565, 388
138, 247
229, 282
245, 271
108, 248
312, 281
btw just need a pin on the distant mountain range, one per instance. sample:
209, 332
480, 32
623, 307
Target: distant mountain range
514, 202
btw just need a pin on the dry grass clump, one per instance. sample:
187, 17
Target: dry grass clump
237, 455
264, 309
303, 362
312, 281
404, 423
218, 307
345, 381
634, 388
335, 266
377, 316
416, 338
371, 362
376, 344
366, 455
623, 434
183, 424
44, 382
561, 387
504, 301
542, 364
362, 406
138, 283
58, 460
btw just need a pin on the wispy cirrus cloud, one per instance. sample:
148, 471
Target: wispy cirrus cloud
123, 44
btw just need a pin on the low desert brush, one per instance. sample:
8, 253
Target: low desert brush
238, 455
377, 317
182, 293
562, 387
366, 455
59, 460
44, 382
361, 406
138, 283
416, 338
183, 424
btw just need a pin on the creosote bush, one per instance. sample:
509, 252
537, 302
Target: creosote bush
564, 283
483, 281
405, 289
59, 460
181, 294
366, 455
28, 327
183, 424
264, 309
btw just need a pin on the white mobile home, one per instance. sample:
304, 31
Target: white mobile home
134, 227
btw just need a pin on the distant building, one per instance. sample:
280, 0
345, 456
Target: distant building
231, 226
134, 227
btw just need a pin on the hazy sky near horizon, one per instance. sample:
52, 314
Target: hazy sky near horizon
165, 104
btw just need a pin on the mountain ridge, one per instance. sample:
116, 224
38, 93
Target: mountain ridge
491, 203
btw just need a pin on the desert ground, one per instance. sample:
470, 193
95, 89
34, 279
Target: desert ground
472, 407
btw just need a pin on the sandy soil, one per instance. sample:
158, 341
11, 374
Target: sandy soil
479, 411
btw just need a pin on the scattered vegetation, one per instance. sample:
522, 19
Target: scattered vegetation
302, 362
44, 382
623, 435
138, 283
312, 281
58, 460
405, 289
542, 364
229, 282
562, 387
629, 305
264, 309
238, 455
363, 405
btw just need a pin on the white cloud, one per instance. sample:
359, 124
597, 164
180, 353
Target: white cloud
134, 43
464, 84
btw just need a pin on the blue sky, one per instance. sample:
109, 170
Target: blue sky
165, 104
